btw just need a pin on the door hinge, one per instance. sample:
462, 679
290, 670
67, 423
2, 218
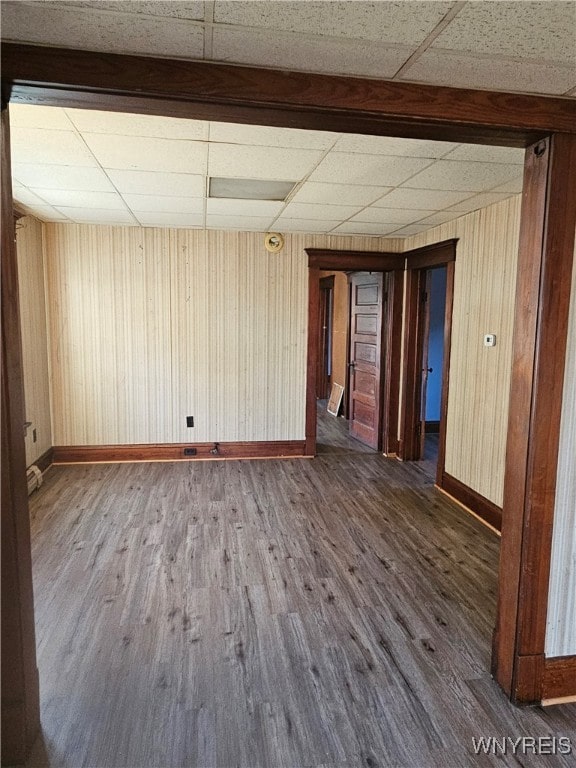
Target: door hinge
419, 429
424, 297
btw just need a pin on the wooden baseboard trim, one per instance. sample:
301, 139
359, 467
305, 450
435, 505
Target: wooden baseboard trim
91, 454
559, 679
45, 461
485, 509
432, 427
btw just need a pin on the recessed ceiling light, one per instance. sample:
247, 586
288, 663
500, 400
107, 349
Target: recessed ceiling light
250, 189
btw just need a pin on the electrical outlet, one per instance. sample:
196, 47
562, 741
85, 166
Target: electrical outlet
189, 421
34, 436
189, 451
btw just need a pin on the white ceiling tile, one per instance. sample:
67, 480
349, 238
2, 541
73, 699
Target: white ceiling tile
164, 204
455, 175
149, 182
49, 147
80, 199
513, 187
137, 153
319, 211
66, 177
481, 153
151, 126
387, 145
532, 30
283, 50
178, 220
390, 22
364, 228
25, 196
222, 206
479, 201
343, 167
37, 116
234, 161
92, 29
439, 218
96, 215
391, 215
337, 194
46, 213
430, 200
303, 225
464, 70
411, 229
191, 9
268, 136
250, 223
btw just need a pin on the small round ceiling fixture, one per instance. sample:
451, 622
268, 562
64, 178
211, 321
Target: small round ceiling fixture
274, 242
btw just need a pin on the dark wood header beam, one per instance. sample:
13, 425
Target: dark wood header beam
368, 261
202, 90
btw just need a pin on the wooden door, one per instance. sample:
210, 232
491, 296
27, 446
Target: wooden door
366, 312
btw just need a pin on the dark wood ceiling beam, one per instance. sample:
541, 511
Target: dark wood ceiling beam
202, 90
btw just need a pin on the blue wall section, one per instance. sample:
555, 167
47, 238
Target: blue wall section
437, 300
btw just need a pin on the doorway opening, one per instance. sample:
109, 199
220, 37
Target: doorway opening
426, 371
355, 308
432, 364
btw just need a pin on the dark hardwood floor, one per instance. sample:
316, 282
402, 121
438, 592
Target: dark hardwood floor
332, 435
297, 613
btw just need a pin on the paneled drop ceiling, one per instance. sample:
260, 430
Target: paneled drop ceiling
110, 168
82, 166
499, 45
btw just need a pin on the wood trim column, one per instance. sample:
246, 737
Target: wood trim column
393, 330
20, 699
313, 299
546, 254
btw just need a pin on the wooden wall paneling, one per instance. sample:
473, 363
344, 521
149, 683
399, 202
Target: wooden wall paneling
541, 323
483, 302
150, 326
561, 621
20, 696
256, 95
31, 283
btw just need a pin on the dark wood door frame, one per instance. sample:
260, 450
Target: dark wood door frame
368, 261
325, 309
71, 78
418, 261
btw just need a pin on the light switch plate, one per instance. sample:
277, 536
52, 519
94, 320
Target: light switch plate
490, 340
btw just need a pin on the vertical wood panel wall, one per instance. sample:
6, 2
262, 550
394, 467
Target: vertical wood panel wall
148, 326
561, 624
34, 336
484, 286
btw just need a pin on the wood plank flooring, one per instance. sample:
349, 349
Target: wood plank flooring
334, 612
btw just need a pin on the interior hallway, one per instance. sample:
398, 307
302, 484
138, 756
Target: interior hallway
327, 612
